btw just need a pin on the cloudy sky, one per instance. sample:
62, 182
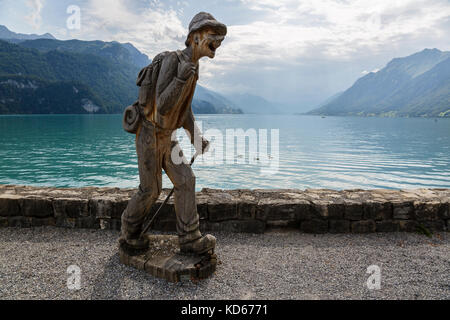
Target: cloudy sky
296, 53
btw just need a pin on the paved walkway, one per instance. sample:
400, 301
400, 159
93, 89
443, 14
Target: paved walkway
276, 265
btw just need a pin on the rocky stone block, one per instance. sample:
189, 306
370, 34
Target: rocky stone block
363, 226
373, 210
278, 209
407, 225
71, 208
403, 210
426, 210
314, 226
339, 226
107, 224
435, 225
221, 206
223, 211
87, 223
36, 207
100, 208
305, 211
387, 226
19, 222
353, 211
63, 222
4, 222
244, 226
104, 223
9, 205
246, 210
324, 209
282, 224
444, 211
41, 222
336, 210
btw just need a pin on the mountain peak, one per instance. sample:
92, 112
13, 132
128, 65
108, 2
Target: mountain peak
417, 63
416, 85
431, 50
5, 33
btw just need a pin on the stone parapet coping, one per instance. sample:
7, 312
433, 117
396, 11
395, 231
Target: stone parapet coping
310, 210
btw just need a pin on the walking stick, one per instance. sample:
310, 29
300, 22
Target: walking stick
147, 226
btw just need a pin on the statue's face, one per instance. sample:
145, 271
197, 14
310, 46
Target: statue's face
206, 42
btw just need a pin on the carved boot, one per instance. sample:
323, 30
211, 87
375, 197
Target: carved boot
195, 243
134, 246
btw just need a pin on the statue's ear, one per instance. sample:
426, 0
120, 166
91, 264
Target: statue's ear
196, 38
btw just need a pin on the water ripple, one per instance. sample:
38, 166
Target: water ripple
338, 153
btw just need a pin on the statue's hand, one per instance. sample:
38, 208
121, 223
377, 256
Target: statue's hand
186, 70
205, 146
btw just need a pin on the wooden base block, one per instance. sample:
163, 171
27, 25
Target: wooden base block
163, 260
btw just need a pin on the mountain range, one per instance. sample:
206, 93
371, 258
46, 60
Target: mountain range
40, 74
27, 76
249, 103
254, 104
5, 33
414, 86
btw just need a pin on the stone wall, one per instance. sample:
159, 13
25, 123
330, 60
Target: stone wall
312, 211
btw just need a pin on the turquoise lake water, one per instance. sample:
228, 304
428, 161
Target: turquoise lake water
314, 152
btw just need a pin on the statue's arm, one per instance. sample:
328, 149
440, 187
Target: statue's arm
169, 86
191, 127
200, 143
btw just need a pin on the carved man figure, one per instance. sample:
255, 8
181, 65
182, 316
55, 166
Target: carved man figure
165, 107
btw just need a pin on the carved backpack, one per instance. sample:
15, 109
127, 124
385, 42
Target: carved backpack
146, 80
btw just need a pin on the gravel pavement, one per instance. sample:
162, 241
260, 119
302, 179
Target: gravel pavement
275, 265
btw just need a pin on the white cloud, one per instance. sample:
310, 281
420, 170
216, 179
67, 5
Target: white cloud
151, 29
309, 45
35, 18
297, 32
332, 29
373, 71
